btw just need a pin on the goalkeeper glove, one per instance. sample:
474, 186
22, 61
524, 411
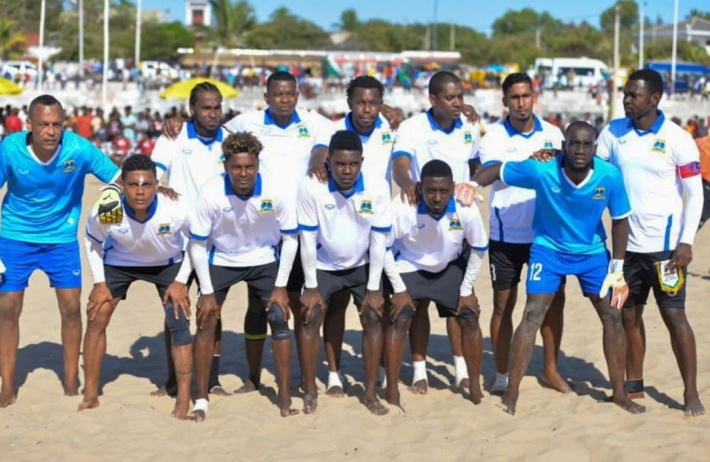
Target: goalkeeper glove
109, 207
615, 282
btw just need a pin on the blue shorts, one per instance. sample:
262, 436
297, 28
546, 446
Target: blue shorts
60, 262
548, 267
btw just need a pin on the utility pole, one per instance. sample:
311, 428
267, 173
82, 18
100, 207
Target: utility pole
675, 45
642, 20
434, 31
452, 37
615, 89
139, 8
104, 81
40, 64
81, 39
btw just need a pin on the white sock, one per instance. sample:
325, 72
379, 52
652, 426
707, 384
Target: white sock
461, 369
382, 377
419, 372
334, 380
502, 377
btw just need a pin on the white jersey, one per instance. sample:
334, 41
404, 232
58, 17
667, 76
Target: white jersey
511, 208
651, 164
421, 241
156, 241
343, 222
188, 160
421, 139
242, 231
286, 150
376, 146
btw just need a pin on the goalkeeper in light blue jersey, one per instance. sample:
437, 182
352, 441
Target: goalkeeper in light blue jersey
44, 169
572, 192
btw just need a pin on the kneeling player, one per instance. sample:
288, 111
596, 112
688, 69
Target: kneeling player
237, 225
146, 245
572, 193
425, 265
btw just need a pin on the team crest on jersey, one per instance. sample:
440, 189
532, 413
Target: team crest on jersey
386, 138
467, 137
303, 132
266, 207
659, 146
221, 159
547, 144
329, 206
164, 229
69, 166
365, 208
599, 194
455, 225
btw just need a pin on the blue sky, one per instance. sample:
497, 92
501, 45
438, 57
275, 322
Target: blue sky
478, 14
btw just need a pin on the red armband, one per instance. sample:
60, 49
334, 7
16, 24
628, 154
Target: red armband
689, 170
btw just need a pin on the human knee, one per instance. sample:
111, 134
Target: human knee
10, 308
369, 317
70, 309
179, 328
277, 323
534, 315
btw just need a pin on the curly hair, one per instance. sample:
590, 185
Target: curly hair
239, 143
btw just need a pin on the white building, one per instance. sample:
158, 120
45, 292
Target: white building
198, 12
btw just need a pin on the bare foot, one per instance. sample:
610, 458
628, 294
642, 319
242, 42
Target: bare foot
7, 399
509, 401
693, 407
217, 390
198, 415
374, 406
335, 392
626, 404
555, 381
392, 397
475, 394
285, 407
161, 391
248, 387
420, 387
181, 410
310, 403
88, 403
71, 390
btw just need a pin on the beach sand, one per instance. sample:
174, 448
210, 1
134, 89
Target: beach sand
130, 424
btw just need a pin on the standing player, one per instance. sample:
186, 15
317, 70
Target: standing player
45, 171
440, 133
239, 221
344, 225
511, 215
147, 245
659, 162
427, 249
189, 160
572, 193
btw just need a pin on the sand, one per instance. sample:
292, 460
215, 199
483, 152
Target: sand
131, 424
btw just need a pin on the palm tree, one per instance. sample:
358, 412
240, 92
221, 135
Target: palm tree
10, 42
233, 21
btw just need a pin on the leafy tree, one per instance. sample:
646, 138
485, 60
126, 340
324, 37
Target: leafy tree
287, 31
234, 20
628, 16
524, 21
349, 22
380, 35
698, 13
12, 42
161, 41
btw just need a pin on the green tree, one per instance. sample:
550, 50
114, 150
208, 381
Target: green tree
234, 20
287, 31
380, 35
349, 22
12, 43
699, 14
514, 22
161, 41
628, 16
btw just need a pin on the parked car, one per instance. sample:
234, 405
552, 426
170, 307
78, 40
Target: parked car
151, 69
11, 69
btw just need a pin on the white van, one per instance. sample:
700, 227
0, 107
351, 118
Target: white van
586, 71
150, 69
12, 68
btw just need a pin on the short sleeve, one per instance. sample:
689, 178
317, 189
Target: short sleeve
475, 230
475, 146
487, 152
102, 167
605, 144
619, 206
236, 124
201, 218
163, 153
382, 221
323, 128
523, 174
306, 208
286, 216
404, 142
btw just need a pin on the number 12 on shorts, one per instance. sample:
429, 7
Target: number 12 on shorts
534, 272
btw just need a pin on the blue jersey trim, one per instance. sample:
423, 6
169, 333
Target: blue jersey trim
667, 237
197, 237
436, 127
289, 231
512, 131
269, 120
93, 237
132, 215
402, 154
500, 224
386, 229
302, 227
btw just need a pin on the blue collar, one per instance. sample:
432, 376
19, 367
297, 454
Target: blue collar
132, 215
512, 131
450, 208
655, 128
349, 125
229, 190
268, 120
359, 185
192, 134
435, 126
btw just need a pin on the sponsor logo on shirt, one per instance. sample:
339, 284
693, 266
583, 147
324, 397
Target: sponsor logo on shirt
329, 206
659, 146
420, 226
227, 209
267, 206
69, 166
187, 152
23, 172
123, 230
386, 138
365, 208
467, 137
164, 229
599, 194
303, 132
455, 225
